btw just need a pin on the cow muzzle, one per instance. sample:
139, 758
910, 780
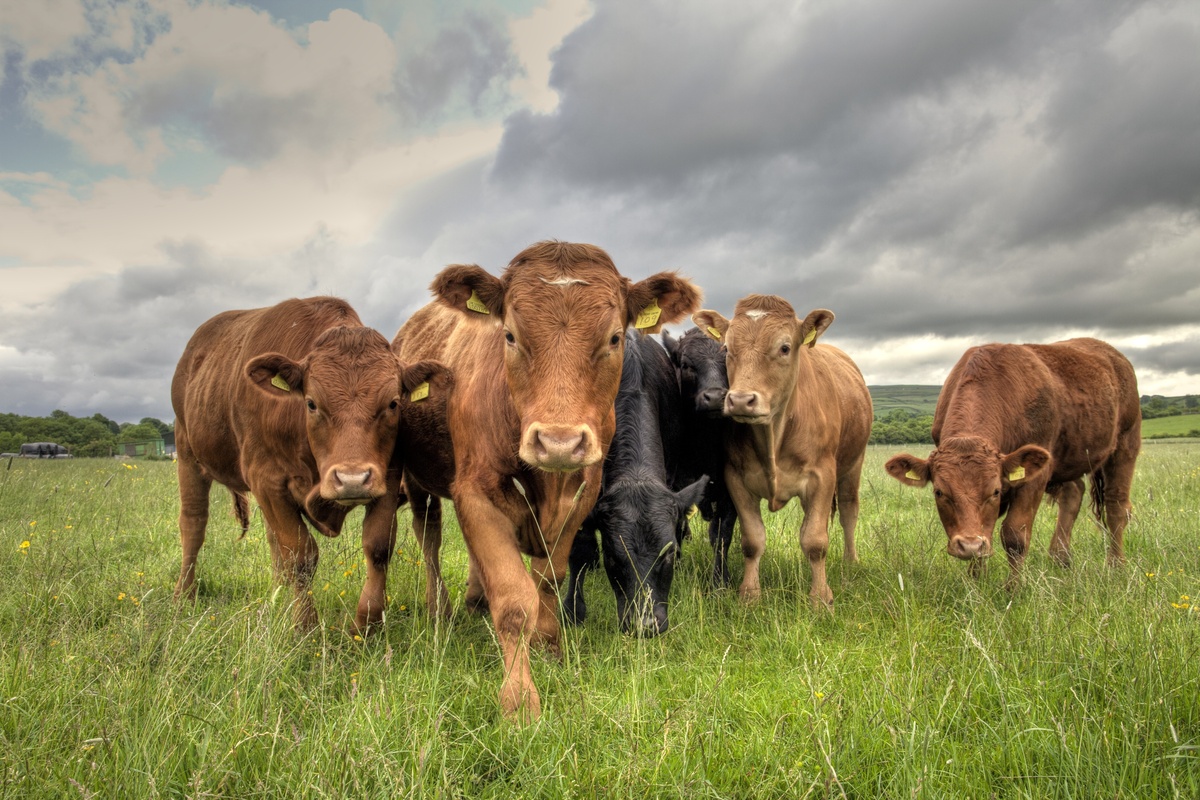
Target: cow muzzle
559, 448
969, 548
746, 407
645, 620
352, 484
711, 402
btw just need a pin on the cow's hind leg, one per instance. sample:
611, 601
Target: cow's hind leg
1069, 497
847, 505
427, 528
194, 488
585, 556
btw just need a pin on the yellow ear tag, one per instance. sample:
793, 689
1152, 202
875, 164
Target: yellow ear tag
713, 332
811, 336
420, 393
475, 304
1017, 474
279, 383
649, 316
912, 475
693, 511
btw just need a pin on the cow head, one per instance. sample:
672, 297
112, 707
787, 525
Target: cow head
971, 484
638, 521
700, 364
764, 345
561, 310
349, 389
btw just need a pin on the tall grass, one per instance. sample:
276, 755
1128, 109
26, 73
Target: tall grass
924, 683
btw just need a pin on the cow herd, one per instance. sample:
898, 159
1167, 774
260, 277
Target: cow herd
539, 405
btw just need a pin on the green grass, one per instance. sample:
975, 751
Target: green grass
926, 683
1180, 425
921, 400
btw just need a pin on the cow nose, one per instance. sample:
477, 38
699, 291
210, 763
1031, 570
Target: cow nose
352, 483
560, 447
969, 547
710, 400
739, 404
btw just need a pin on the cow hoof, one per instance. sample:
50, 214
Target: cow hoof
1062, 558
750, 594
520, 707
476, 604
822, 601
1115, 560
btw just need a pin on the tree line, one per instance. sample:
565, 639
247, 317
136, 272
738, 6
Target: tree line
94, 436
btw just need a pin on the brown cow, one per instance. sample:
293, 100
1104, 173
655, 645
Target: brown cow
806, 417
1016, 421
299, 404
536, 355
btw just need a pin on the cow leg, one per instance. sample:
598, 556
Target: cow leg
754, 536
585, 556
378, 543
814, 537
720, 535
427, 527
1118, 485
194, 489
511, 595
475, 599
548, 574
293, 553
1069, 497
847, 503
241, 510
1017, 528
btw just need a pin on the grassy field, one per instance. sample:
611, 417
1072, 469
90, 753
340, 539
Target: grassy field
1181, 425
917, 399
926, 683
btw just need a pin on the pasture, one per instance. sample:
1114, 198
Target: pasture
925, 682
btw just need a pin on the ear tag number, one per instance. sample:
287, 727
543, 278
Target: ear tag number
648, 318
475, 304
912, 475
279, 383
714, 333
1017, 474
810, 338
420, 393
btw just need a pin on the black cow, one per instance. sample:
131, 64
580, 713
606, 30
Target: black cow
700, 364
638, 515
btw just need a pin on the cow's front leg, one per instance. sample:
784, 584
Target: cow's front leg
427, 527
1017, 528
293, 552
754, 535
814, 536
378, 542
510, 593
194, 489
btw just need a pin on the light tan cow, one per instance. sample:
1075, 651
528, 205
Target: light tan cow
805, 417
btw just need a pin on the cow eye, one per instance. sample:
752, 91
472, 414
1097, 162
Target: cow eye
995, 493
615, 340
937, 492
312, 406
787, 348
392, 406
508, 337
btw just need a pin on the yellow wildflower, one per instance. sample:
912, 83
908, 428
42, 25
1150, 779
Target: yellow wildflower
24, 545
121, 596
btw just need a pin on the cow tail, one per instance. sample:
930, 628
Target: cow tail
1098, 496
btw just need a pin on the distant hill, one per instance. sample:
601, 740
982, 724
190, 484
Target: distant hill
915, 398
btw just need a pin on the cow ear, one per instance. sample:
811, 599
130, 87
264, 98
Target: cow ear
691, 495
814, 325
424, 379
470, 289
712, 323
909, 470
1023, 464
661, 299
276, 375
671, 345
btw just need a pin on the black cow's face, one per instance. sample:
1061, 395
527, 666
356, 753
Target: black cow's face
638, 524
700, 362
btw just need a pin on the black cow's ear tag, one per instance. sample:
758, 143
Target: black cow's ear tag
279, 383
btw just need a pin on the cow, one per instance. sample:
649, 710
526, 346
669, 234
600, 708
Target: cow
802, 418
639, 516
699, 362
300, 405
536, 355
1016, 421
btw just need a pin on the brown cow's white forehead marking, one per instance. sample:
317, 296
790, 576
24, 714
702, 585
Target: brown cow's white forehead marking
756, 314
563, 281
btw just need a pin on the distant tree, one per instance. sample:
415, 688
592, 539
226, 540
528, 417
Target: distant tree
141, 432
112, 426
163, 428
1191, 402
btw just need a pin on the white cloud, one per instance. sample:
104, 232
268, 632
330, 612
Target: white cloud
535, 38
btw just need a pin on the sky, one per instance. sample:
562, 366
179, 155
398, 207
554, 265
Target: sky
939, 173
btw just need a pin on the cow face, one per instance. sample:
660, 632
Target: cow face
349, 389
764, 343
972, 482
700, 364
638, 521
563, 309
